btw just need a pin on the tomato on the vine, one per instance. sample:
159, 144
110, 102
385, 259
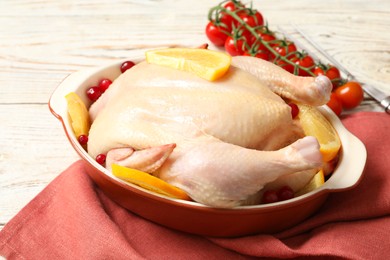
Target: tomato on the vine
258, 49
242, 33
259, 18
350, 94
252, 19
334, 74
284, 65
303, 61
228, 19
260, 53
231, 6
267, 37
285, 48
217, 34
238, 42
331, 72
248, 19
235, 47
335, 104
263, 35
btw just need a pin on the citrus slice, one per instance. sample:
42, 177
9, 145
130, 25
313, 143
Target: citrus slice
315, 124
149, 182
207, 64
317, 181
78, 113
296, 181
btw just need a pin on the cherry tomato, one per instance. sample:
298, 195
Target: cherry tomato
264, 35
259, 54
231, 6
335, 104
304, 61
283, 64
251, 19
257, 49
228, 19
331, 72
245, 34
285, 48
259, 18
217, 34
268, 37
350, 94
258, 46
242, 32
248, 19
235, 47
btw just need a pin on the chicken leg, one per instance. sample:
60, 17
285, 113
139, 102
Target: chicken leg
313, 91
208, 171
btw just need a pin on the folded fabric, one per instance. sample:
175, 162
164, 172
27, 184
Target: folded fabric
73, 219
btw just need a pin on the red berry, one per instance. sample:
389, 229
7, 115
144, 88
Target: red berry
270, 196
94, 93
83, 139
101, 158
285, 193
104, 84
126, 65
294, 110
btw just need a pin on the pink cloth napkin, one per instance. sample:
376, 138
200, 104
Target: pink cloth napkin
72, 219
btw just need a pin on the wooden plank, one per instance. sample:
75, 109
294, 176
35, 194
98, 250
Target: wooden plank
34, 151
50, 40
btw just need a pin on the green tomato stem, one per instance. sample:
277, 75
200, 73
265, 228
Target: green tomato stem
215, 11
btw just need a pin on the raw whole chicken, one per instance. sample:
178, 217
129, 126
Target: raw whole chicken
219, 141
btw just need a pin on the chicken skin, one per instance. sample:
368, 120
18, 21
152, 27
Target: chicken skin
220, 141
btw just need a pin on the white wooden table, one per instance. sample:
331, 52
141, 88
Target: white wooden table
41, 42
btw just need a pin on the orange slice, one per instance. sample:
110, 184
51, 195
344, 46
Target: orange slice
149, 182
317, 181
78, 114
207, 64
315, 124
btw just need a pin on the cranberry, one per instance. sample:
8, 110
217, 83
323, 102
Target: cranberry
294, 110
101, 158
104, 84
285, 193
83, 139
94, 93
270, 196
126, 65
